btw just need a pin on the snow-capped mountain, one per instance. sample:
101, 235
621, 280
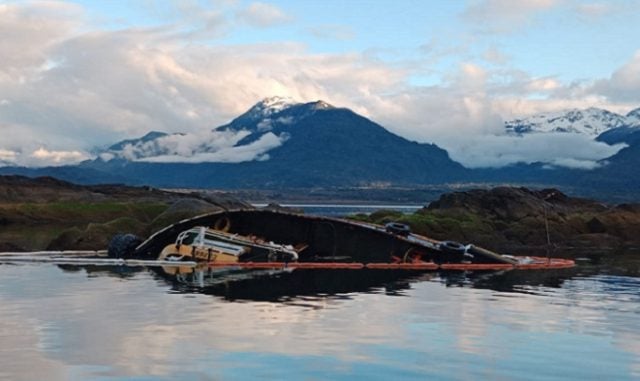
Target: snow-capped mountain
249, 137
225, 144
268, 107
634, 116
278, 142
281, 143
274, 112
591, 122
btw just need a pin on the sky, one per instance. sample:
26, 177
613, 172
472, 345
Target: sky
76, 76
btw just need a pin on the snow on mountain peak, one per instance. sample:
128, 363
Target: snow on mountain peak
634, 116
321, 105
592, 122
273, 105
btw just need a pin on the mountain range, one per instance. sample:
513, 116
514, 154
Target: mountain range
279, 143
591, 122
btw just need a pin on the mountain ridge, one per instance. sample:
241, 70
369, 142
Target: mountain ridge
591, 121
279, 143
313, 146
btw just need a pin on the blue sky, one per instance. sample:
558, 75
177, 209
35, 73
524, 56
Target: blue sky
570, 40
81, 74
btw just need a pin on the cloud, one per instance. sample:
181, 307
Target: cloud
563, 150
29, 33
41, 157
7, 156
182, 144
92, 88
262, 15
67, 87
495, 56
598, 11
256, 150
58, 157
543, 84
624, 83
504, 16
211, 146
593, 10
332, 32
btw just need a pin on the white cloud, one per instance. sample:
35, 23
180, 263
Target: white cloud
58, 157
7, 156
256, 150
543, 84
41, 157
213, 146
495, 56
29, 33
595, 10
624, 84
564, 150
69, 88
503, 16
332, 32
183, 145
265, 125
262, 15
109, 85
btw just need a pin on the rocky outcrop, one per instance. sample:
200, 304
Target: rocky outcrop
512, 204
520, 218
65, 216
511, 219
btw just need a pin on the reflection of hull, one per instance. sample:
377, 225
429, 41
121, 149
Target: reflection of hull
284, 284
294, 285
196, 253
233, 283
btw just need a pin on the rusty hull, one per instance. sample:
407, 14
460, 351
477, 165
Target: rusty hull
328, 239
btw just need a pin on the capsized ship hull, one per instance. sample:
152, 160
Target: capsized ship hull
337, 241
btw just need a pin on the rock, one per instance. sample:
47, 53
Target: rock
596, 226
10, 247
96, 236
519, 218
180, 210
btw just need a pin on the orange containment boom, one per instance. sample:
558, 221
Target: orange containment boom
524, 263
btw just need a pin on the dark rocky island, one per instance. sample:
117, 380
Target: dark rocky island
517, 220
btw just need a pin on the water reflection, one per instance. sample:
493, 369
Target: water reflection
284, 285
97, 323
279, 285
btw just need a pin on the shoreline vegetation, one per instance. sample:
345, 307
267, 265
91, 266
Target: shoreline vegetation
49, 214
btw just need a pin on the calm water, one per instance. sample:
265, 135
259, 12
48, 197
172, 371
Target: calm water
77, 323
